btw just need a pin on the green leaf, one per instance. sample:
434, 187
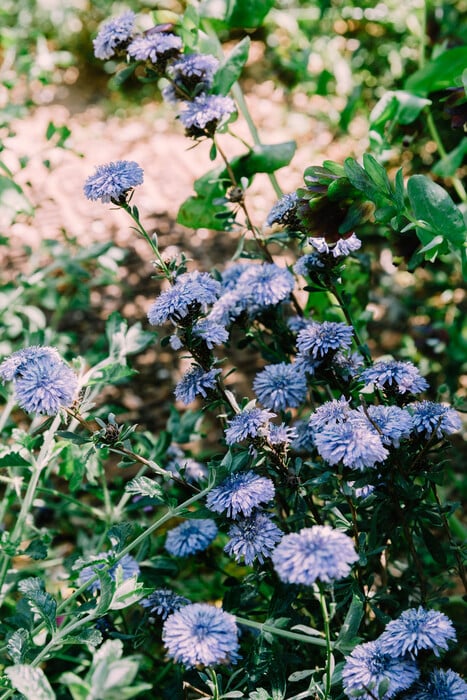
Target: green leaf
348, 632
248, 13
396, 106
91, 637
124, 341
230, 70
360, 179
202, 210
447, 166
18, 644
143, 486
31, 682
263, 159
79, 689
378, 174
442, 72
118, 534
13, 459
36, 549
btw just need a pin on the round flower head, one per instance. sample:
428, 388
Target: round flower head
43, 382
128, 566
163, 602
441, 685
284, 211
232, 274
191, 292
280, 386
190, 537
240, 493
368, 666
249, 423
195, 382
191, 74
417, 629
308, 264
281, 434
113, 35
430, 417
394, 423
352, 443
111, 182
200, 634
315, 553
253, 538
319, 339
265, 285
330, 413
155, 47
204, 114
212, 333
396, 376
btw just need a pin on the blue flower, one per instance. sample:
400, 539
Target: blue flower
280, 386
281, 434
367, 667
345, 246
394, 423
329, 414
200, 634
318, 552
253, 538
190, 536
401, 377
227, 308
155, 47
240, 493
195, 382
265, 285
164, 602
441, 685
43, 382
430, 417
190, 73
307, 264
417, 629
249, 423
127, 564
113, 35
284, 211
212, 333
303, 442
112, 181
191, 292
318, 339
205, 113
232, 274
352, 443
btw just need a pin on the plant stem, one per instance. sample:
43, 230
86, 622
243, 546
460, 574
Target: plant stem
327, 633
133, 213
349, 318
264, 627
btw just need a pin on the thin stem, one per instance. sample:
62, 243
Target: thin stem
264, 627
140, 228
349, 318
327, 633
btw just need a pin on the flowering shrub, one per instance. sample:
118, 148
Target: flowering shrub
307, 550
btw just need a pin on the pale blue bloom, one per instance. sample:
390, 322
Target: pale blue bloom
13, 365
352, 443
320, 244
240, 493
227, 308
319, 339
155, 47
430, 417
394, 423
201, 634
265, 285
205, 113
394, 375
368, 666
190, 537
284, 211
303, 442
441, 685
417, 629
345, 246
112, 181
195, 382
330, 413
163, 602
249, 423
192, 73
128, 566
308, 264
212, 333
232, 274
113, 35
191, 292
280, 386
315, 553
348, 366
281, 434
253, 538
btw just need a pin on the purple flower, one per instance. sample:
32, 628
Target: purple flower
329, 414
284, 211
319, 339
200, 634
155, 47
280, 386
192, 73
417, 629
430, 417
194, 383
394, 423
441, 685
43, 382
368, 666
401, 377
249, 423
127, 564
281, 434
355, 445
111, 182
205, 113
114, 35
253, 538
163, 602
190, 537
240, 493
191, 292
316, 553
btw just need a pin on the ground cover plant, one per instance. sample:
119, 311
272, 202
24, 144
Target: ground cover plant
294, 529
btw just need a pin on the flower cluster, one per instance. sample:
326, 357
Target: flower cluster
112, 182
163, 602
240, 493
191, 292
190, 537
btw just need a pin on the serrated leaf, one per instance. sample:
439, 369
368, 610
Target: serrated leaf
36, 549
143, 486
31, 682
17, 645
230, 70
360, 178
91, 637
